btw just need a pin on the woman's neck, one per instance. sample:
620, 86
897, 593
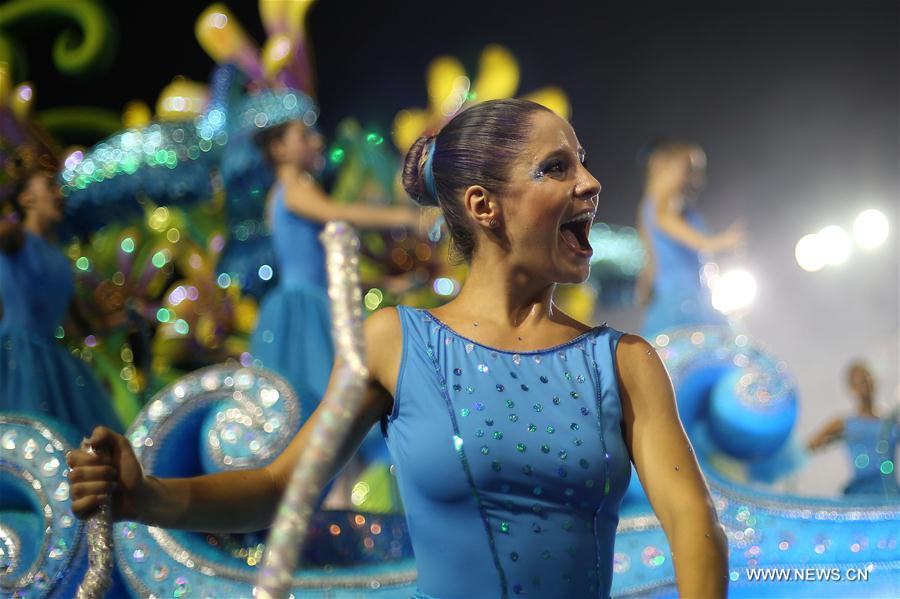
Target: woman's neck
504, 295
37, 226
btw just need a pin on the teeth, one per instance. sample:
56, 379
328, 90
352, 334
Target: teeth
580, 218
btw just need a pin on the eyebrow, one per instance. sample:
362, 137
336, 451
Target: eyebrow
579, 153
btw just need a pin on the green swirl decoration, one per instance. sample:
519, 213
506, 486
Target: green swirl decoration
73, 53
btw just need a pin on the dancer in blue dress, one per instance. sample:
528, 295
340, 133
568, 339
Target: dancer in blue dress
37, 374
675, 236
511, 425
871, 440
293, 334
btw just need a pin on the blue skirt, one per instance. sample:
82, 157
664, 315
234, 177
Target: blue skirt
39, 376
293, 338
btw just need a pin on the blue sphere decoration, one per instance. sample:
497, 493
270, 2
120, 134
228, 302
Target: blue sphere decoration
748, 420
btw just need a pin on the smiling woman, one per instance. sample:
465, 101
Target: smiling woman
512, 425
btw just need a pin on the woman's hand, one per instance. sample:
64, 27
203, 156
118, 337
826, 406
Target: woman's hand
731, 239
112, 471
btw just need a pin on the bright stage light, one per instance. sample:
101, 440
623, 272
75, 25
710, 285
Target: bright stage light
733, 290
870, 228
809, 253
835, 244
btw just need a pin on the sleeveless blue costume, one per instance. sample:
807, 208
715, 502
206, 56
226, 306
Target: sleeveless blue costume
872, 445
511, 466
293, 334
37, 374
679, 298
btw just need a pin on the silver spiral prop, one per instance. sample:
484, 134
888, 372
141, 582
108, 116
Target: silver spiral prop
98, 577
42, 544
286, 537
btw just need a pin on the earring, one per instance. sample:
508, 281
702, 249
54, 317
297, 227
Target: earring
493, 223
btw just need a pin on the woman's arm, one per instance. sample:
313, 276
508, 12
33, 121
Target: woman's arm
306, 198
219, 502
669, 471
831, 433
675, 226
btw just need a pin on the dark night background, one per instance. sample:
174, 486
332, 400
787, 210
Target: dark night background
795, 101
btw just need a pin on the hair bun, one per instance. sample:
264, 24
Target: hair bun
413, 177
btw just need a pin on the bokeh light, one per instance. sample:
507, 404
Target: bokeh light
870, 229
732, 291
809, 253
834, 244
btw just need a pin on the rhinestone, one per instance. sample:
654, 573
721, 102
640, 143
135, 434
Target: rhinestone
537, 491
497, 435
574, 426
536, 527
485, 450
479, 432
483, 368
556, 400
585, 412
545, 448
524, 387
532, 428
457, 387
489, 421
544, 379
563, 454
538, 407
457, 371
500, 387
579, 379
568, 376
504, 527
583, 463
527, 470
513, 375
510, 403
520, 447
574, 394
577, 442
550, 429
514, 556
469, 348
513, 418
479, 406
464, 412
470, 390
517, 359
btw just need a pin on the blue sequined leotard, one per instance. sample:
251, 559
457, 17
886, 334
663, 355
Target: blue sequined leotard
679, 296
872, 444
38, 374
293, 334
511, 466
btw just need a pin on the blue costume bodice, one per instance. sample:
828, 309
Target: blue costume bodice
301, 259
511, 466
679, 297
872, 445
38, 374
36, 286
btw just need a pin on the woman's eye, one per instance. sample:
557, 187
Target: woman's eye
554, 167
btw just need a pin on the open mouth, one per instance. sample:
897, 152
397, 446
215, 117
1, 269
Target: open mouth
574, 232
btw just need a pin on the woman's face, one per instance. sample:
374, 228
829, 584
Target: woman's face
861, 381
299, 145
550, 204
42, 199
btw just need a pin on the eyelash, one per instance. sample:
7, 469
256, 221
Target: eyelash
556, 166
